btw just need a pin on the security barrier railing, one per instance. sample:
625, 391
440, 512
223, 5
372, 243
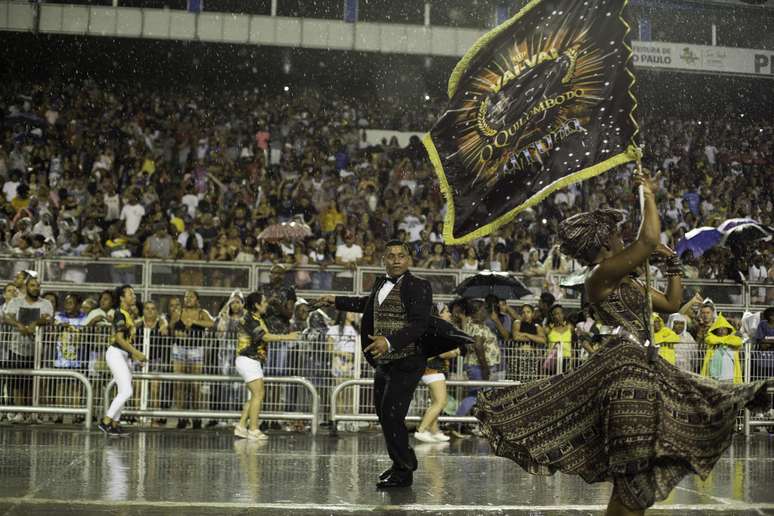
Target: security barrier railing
335, 416
191, 374
312, 415
85, 411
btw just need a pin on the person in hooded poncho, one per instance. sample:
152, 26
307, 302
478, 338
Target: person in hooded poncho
665, 338
721, 361
686, 350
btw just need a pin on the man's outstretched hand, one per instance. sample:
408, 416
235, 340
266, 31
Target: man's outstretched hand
378, 347
325, 301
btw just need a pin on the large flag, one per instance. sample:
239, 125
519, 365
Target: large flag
538, 103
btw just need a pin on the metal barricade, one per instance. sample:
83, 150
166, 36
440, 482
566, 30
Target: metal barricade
335, 416
758, 365
53, 373
312, 416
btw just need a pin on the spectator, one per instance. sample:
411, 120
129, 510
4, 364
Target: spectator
160, 244
320, 256
470, 262
530, 340
189, 325
437, 259
6, 383
559, 341
20, 282
343, 337
112, 202
159, 359
686, 349
721, 361
533, 266
70, 352
762, 359
666, 339
26, 314
500, 321
281, 300
483, 359
347, 255
132, 214
118, 246
103, 313
12, 184
10, 292
231, 316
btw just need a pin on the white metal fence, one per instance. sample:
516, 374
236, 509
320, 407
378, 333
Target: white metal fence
212, 390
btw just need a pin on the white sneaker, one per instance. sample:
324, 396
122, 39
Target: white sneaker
441, 437
256, 435
240, 431
425, 437
18, 418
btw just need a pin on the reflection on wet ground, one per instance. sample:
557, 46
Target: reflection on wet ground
47, 470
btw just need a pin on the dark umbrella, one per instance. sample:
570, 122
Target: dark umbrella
699, 241
746, 233
488, 283
730, 224
285, 231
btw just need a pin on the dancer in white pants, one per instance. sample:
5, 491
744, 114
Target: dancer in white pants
117, 358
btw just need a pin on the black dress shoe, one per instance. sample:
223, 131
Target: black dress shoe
396, 480
386, 473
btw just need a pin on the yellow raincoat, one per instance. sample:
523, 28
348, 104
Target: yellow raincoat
731, 342
666, 339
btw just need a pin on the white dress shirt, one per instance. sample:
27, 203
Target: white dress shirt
385, 290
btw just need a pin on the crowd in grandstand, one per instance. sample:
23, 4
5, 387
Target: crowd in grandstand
97, 172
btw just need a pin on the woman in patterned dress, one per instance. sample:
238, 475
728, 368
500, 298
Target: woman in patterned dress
619, 417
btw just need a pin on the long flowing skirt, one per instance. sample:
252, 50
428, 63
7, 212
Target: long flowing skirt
618, 418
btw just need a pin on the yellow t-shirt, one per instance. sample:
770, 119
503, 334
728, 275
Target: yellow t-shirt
19, 204
178, 223
331, 219
555, 337
149, 166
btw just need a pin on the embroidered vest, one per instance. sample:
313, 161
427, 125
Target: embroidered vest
390, 317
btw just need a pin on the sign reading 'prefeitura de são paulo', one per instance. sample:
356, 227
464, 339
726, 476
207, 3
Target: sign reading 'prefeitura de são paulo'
538, 103
699, 58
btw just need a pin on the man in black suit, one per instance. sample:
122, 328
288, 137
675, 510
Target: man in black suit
395, 315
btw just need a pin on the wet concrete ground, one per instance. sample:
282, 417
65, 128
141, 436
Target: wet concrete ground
48, 470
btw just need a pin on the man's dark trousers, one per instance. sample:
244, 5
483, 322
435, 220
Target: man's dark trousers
394, 386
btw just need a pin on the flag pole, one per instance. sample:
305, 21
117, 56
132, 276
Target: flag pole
650, 342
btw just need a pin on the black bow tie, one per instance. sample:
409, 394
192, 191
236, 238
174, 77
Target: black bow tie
390, 279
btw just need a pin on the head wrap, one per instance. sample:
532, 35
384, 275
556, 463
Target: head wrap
685, 337
583, 235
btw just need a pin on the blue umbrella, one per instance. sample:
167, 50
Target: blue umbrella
730, 224
699, 241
